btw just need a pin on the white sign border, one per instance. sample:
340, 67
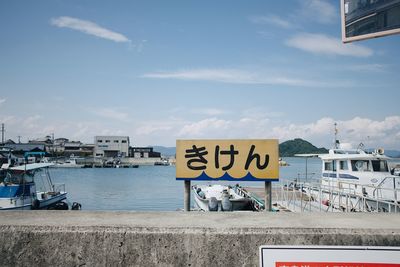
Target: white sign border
315, 249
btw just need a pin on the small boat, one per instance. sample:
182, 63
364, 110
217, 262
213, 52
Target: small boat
28, 187
220, 198
162, 163
69, 163
283, 163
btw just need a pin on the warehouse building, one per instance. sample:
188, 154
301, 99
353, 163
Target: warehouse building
111, 146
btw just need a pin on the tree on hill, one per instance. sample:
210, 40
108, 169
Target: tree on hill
299, 146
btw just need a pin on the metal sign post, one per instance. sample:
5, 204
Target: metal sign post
186, 199
268, 196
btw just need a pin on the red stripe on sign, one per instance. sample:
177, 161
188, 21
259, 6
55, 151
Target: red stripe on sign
334, 264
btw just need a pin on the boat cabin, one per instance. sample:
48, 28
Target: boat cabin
341, 168
353, 164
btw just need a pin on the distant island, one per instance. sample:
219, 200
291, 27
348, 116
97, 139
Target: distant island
286, 149
299, 146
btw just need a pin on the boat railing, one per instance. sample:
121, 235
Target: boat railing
58, 187
335, 197
257, 203
383, 192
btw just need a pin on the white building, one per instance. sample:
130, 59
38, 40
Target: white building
111, 146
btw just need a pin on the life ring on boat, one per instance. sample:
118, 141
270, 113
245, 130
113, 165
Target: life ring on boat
36, 204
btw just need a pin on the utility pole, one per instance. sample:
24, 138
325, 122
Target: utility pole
19, 139
52, 144
2, 133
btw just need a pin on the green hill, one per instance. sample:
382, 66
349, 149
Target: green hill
298, 146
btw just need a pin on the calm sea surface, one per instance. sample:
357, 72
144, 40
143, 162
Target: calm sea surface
147, 188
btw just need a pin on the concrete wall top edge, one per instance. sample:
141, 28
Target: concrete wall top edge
180, 221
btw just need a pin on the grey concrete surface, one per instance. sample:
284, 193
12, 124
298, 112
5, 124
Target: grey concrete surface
78, 238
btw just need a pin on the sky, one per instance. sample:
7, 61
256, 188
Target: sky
158, 71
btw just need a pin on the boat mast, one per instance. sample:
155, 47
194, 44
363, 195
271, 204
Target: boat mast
337, 143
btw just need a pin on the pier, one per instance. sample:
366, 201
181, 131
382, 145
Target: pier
66, 238
286, 197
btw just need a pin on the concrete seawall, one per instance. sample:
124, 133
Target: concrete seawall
67, 238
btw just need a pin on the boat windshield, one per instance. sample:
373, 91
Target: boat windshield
379, 166
360, 165
19, 177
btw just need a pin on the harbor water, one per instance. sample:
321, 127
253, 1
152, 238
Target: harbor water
149, 188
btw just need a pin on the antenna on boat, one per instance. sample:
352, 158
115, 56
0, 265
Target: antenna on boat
337, 143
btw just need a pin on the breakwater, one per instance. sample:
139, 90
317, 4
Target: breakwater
66, 238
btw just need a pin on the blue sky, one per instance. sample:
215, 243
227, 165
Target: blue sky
158, 71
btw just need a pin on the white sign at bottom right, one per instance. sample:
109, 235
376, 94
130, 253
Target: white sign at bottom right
329, 256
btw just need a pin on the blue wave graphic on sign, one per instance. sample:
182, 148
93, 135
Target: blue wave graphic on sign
226, 177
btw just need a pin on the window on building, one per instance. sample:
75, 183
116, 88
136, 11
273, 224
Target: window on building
123, 141
344, 165
116, 141
107, 141
99, 141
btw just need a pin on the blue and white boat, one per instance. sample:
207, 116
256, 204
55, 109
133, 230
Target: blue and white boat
28, 187
354, 180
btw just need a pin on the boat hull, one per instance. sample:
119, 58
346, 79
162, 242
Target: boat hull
237, 202
43, 203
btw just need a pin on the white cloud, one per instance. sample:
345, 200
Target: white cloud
272, 20
319, 10
323, 44
234, 76
2, 100
209, 111
352, 132
207, 127
31, 122
110, 113
88, 27
138, 47
148, 129
366, 68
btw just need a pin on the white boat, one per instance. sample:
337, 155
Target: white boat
354, 180
162, 163
29, 186
69, 163
220, 198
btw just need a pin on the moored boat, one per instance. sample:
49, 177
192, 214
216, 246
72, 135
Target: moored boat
220, 198
22, 188
354, 180
69, 163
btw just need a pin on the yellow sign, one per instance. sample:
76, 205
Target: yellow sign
245, 160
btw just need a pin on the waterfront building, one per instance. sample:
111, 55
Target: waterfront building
65, 147
143, 152
20, 148
111, 146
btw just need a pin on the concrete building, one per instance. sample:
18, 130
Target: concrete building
143, 152
65, 147
111, 146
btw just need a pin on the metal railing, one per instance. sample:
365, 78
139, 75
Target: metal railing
58, 188
334, 197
